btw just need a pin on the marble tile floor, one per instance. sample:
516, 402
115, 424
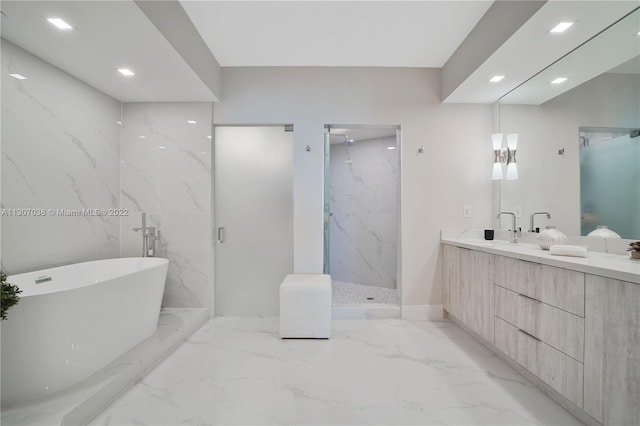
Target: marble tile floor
349, 293
387, 372
81, 402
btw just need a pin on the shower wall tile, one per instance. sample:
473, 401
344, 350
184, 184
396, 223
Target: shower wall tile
60, 150
364, 186
166, 172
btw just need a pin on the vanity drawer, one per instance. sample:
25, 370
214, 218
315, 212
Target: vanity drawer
560, 329
557, 287
560, 371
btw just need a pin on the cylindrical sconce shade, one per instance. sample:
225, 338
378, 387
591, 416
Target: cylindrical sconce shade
512, 141
496, 138
512, 171
497, 171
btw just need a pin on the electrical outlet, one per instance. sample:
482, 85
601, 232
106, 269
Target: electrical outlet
466, 212
517, 211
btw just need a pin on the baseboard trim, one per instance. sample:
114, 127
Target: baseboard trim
422, 312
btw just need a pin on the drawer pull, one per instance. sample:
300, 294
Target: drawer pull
529, 334
529, 297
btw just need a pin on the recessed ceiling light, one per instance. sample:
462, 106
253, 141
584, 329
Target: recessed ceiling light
391, 147
18, 76
119, 122
561, 27
142, 137
192, 122
126, 72
496, 78
60, 24
209, 137
162, 147
559, 80
348, 161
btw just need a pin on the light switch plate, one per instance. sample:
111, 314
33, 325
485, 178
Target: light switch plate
466, 212
517, 211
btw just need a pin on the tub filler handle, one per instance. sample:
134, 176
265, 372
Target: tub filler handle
42, 279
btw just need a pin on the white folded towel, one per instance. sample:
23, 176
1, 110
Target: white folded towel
575, 251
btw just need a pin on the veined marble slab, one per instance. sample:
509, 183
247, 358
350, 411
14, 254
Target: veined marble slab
166, 172
363, 225
60, 151
237, 371
80, 403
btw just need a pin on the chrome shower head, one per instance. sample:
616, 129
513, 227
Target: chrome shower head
348, 140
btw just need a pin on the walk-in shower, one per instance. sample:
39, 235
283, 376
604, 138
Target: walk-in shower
361, 213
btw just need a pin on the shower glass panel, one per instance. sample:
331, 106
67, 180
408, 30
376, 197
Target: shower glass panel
361, 213
609, 176
254, 218
327, 198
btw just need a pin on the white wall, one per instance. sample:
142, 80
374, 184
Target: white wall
551, 182
173, 186
454, 170
60, 150
363, 235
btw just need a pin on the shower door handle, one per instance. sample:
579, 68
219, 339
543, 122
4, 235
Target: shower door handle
221, 234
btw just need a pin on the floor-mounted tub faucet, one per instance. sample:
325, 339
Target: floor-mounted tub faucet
149, 237
531, 228
514, 230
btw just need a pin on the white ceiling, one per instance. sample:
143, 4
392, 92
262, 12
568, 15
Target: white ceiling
533, 48
615, 50
111, 34
107, 35
334, 33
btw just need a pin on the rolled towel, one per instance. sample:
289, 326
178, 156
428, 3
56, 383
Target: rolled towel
575, 251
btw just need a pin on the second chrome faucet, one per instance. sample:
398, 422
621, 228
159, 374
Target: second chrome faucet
531, 228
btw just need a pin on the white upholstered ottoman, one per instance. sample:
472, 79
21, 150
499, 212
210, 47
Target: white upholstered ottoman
305, 306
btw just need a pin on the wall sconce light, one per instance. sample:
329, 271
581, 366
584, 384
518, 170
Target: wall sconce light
496, 138
504, 156
512, 167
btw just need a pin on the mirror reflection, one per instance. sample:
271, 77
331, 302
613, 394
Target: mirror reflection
578, 150
609, 179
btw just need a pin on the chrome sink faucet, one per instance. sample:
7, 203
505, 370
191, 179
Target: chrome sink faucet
514, 230
531, 228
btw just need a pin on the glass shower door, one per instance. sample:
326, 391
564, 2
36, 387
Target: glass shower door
254, 218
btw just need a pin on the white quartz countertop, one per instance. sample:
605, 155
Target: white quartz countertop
616, 266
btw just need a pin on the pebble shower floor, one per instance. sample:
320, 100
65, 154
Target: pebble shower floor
348, 293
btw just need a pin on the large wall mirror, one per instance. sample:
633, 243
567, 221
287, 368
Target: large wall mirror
578, 150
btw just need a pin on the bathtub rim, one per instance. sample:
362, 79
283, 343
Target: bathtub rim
26, 280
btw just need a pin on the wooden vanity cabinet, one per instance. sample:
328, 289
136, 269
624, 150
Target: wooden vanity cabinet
468, 292
577, 333
612, 351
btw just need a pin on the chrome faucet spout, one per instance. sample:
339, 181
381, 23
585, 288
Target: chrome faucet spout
514, 229
531, 228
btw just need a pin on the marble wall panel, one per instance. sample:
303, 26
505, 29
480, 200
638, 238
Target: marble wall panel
60, 150
166, 172
363, 233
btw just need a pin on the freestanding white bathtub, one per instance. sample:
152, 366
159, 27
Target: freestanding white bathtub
65, 329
